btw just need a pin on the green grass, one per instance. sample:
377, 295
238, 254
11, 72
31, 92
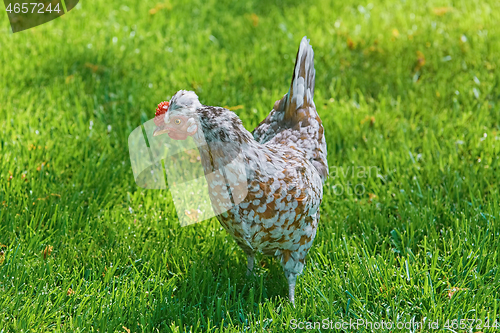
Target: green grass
405, 87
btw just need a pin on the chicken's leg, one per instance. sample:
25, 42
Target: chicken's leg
250, 260
292, 278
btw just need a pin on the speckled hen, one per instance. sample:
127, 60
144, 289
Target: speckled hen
284, 167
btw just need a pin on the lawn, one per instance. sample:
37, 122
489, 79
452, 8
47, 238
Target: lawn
408, 92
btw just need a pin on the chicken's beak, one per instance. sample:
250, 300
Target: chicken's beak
160, 131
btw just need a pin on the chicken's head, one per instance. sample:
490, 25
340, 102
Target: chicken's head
178, 117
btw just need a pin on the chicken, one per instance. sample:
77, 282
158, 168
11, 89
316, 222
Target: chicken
284, 167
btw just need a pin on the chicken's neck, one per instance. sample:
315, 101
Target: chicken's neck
222, 139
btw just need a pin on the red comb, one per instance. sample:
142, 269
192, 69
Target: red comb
160, 112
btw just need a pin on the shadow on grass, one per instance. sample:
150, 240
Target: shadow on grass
213, 296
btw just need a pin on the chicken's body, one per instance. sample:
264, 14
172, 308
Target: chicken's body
284, 169
279, 215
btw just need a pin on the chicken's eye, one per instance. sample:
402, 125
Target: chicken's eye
177, 121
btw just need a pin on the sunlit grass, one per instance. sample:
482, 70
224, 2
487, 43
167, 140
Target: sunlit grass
408, 92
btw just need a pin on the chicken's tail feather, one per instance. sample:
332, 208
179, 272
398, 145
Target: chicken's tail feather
301, 91
294, 121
